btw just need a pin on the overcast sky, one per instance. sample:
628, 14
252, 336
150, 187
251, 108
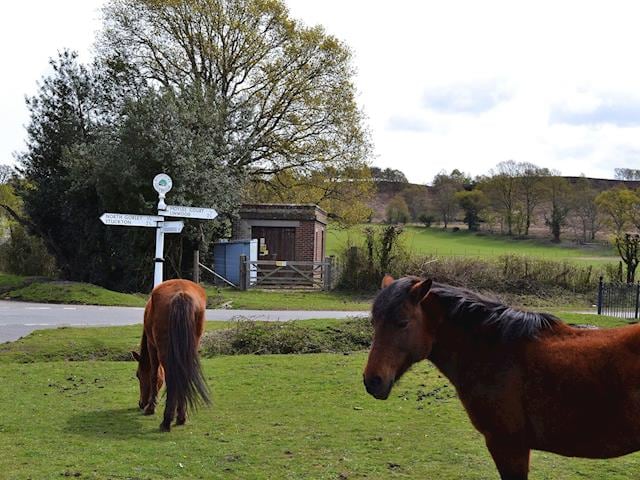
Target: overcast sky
455, 84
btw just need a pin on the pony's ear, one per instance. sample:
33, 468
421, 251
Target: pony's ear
135, 355
386, 281
420, 290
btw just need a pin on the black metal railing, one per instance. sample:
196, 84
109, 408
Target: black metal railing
618, 299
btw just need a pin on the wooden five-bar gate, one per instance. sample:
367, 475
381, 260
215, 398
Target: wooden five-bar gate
286, 274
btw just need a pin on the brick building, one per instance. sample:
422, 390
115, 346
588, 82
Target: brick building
294, 232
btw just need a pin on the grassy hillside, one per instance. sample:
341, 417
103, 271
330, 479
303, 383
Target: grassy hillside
427, 241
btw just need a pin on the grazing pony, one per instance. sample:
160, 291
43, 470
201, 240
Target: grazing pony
527, 380
173, 325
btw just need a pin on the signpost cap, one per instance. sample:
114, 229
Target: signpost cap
162, 183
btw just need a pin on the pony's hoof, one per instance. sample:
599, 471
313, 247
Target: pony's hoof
149, 411
181, 421
164, 427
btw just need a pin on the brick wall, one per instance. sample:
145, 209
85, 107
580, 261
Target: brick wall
305, 234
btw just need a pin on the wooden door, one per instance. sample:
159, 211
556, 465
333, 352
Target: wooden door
275, 243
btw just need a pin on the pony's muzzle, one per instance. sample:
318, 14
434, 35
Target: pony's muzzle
377, 387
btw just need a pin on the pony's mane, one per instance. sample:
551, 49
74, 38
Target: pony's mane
468, 308
475, 310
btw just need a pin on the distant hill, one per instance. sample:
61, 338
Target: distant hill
385, 191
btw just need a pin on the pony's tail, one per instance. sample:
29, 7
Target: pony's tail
183, 374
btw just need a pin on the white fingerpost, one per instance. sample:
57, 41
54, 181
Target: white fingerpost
162, 184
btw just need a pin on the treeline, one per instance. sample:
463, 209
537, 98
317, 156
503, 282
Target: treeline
515, 196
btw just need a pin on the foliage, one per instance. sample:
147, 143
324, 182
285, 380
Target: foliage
397, 210
472, 203
20, 252
617, 204
586, 219
364, 265
558, 194
344, 193
628, 249
445, 187
426, 219
417, 200
279, 94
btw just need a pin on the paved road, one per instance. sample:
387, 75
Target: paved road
17, 319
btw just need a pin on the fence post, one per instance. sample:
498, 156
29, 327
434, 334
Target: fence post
326, 284
244, 284
600, 291
196, 266
637, 299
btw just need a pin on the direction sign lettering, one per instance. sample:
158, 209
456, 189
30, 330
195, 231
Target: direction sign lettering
172, 227
190, 212
130, 220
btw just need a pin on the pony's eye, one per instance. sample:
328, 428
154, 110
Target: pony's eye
402, 323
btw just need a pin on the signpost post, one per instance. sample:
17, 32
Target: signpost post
162, 184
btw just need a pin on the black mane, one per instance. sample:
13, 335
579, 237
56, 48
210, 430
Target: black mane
470, 309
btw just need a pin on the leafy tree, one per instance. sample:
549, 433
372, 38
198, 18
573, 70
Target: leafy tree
397, 210
501, 188
583, 204
279, 94
417, 200
616, 205
558, 198
628, 246
445, 187
472, 203
531, 189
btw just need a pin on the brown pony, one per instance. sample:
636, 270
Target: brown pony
173, 325
527, 380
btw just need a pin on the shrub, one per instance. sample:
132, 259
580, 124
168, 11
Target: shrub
363, 266
24, 254
249, 337
508, 274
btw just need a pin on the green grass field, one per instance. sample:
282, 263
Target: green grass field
274, 416
434, 241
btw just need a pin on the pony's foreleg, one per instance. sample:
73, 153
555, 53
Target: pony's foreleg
150, 406
511, 459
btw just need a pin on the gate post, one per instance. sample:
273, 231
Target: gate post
600, 299
196, 266
637, 299
244, 272
328, 274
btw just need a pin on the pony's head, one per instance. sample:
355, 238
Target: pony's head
405, 317
144, 378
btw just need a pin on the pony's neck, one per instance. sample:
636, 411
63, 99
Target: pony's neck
458, 351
